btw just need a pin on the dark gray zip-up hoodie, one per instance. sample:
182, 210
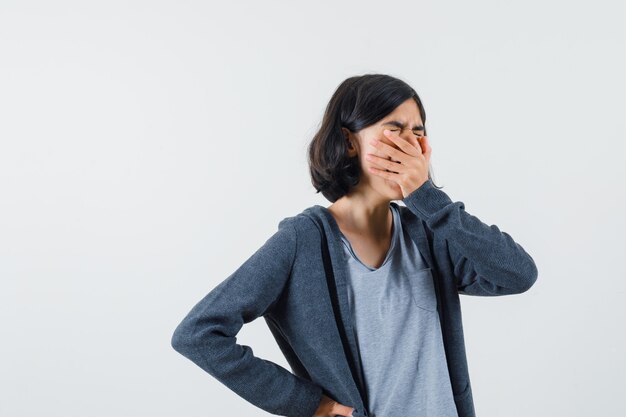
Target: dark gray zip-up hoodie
297, 282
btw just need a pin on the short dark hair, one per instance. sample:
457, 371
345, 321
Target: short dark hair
358, 102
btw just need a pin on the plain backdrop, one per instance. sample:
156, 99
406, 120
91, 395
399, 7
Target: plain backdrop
148, 148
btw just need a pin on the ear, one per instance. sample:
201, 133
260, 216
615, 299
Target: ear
346, 133
350, 141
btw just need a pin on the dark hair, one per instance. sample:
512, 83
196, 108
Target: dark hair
358, 102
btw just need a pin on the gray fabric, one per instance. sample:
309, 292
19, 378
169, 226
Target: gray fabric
398, 336
296, 281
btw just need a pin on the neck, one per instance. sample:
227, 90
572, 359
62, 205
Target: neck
363, 216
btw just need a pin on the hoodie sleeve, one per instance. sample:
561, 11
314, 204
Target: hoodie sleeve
486, 261
207, 335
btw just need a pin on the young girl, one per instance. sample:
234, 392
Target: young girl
362, 296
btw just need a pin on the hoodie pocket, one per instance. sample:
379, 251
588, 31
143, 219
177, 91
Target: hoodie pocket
423, 289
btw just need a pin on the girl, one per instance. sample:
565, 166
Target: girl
362, 296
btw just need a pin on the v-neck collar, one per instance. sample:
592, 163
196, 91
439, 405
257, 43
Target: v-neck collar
395, 224
328, 226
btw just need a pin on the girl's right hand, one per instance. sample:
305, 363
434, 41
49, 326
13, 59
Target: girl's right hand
331, 408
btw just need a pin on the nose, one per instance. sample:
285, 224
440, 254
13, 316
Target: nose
407, 134
410, 136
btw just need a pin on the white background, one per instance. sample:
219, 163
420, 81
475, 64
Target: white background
148, 148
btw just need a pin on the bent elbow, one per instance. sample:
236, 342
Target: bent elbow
181, 340
203, 347
529, 277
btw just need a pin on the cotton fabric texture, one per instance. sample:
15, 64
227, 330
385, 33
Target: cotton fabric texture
297, 281
397, 330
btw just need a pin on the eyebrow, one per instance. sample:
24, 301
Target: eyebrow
401, 125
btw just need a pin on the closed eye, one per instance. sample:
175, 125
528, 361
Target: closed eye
418, 134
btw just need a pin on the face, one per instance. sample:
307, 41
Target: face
406, 122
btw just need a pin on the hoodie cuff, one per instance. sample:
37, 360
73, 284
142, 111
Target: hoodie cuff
426, 200
308, 399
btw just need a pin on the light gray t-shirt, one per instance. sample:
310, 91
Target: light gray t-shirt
394, 312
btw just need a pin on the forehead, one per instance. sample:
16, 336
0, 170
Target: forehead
407, 112
405, 116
